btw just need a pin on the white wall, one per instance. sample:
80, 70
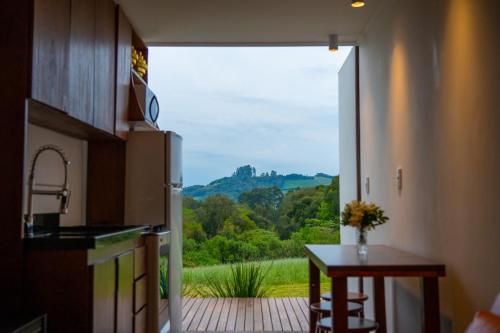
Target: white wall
347, 138
348, 175
430, 104
50, 170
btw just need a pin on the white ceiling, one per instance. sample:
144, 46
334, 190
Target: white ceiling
247, 22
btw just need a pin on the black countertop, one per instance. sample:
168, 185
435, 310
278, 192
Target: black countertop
82, 237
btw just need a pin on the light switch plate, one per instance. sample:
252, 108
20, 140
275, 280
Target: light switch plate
367, 185
399, 178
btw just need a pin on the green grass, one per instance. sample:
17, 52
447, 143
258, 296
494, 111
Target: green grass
304, 183
285, 277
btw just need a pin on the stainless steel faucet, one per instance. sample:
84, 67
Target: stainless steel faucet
62, 193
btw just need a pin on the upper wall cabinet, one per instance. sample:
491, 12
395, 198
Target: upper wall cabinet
81, 60
51, 35
104, 71
123, 64
74, 57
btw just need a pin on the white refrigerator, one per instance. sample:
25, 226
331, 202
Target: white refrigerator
153, 196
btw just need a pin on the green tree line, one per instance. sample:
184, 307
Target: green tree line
262, 224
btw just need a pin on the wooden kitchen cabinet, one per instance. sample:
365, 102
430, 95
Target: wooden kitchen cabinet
104, 286
83, 290
123, 65
81, 61
51, 35
74, 57
104, 70
125, 293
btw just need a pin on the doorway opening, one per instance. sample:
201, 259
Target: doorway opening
260, 129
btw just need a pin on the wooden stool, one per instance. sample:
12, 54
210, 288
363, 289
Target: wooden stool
324, 309
351, 297
354, 324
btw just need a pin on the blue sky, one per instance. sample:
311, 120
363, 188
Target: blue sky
275, 108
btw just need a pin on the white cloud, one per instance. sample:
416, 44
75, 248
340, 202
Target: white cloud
273, 107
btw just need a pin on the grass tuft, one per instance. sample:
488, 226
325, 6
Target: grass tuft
283, 278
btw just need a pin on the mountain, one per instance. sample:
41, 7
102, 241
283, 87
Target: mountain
245, 179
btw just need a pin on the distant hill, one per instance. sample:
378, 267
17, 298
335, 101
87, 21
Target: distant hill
245, 179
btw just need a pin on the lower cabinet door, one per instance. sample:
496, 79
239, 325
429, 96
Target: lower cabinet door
140, 321
125, 293
104, 288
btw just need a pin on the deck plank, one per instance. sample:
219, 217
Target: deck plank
249, 315
205, 320
285, 322
294, 318
240, 317
231, 320
275, 318
294, 322
266, 315
304, 305
199, 315
214, 320
190, 315
303, 320
188, 303
257, 315
224, 314
245, 315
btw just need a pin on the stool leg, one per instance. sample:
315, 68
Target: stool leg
361, 289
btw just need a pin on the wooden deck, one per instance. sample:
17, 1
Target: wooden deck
245, 315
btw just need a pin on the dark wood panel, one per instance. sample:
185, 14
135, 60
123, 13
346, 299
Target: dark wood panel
81, 60
15, 18
139, 262
48, 117
125, 293
140, 294
55, 291
51, 31
431, 305
105, 182
123, 64
379, 303
104, 75
140, 321
314, 293
104, 287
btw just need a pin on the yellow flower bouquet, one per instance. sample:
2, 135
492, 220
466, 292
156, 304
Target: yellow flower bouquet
363, 217
359, 214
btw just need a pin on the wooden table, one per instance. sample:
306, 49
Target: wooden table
341, 261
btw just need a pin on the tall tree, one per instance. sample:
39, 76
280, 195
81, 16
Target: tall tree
214, 211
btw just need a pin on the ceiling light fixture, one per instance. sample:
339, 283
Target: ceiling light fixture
357, 3
333, 43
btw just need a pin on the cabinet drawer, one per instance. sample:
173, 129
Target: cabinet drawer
140, 321
139, 262
140, 294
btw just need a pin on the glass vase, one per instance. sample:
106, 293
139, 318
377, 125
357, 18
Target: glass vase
362, 241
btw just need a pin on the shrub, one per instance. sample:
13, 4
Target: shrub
163, 280
198, 258
244, 280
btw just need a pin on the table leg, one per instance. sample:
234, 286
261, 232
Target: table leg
314, 294
339, 304
379, 303
431, 305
